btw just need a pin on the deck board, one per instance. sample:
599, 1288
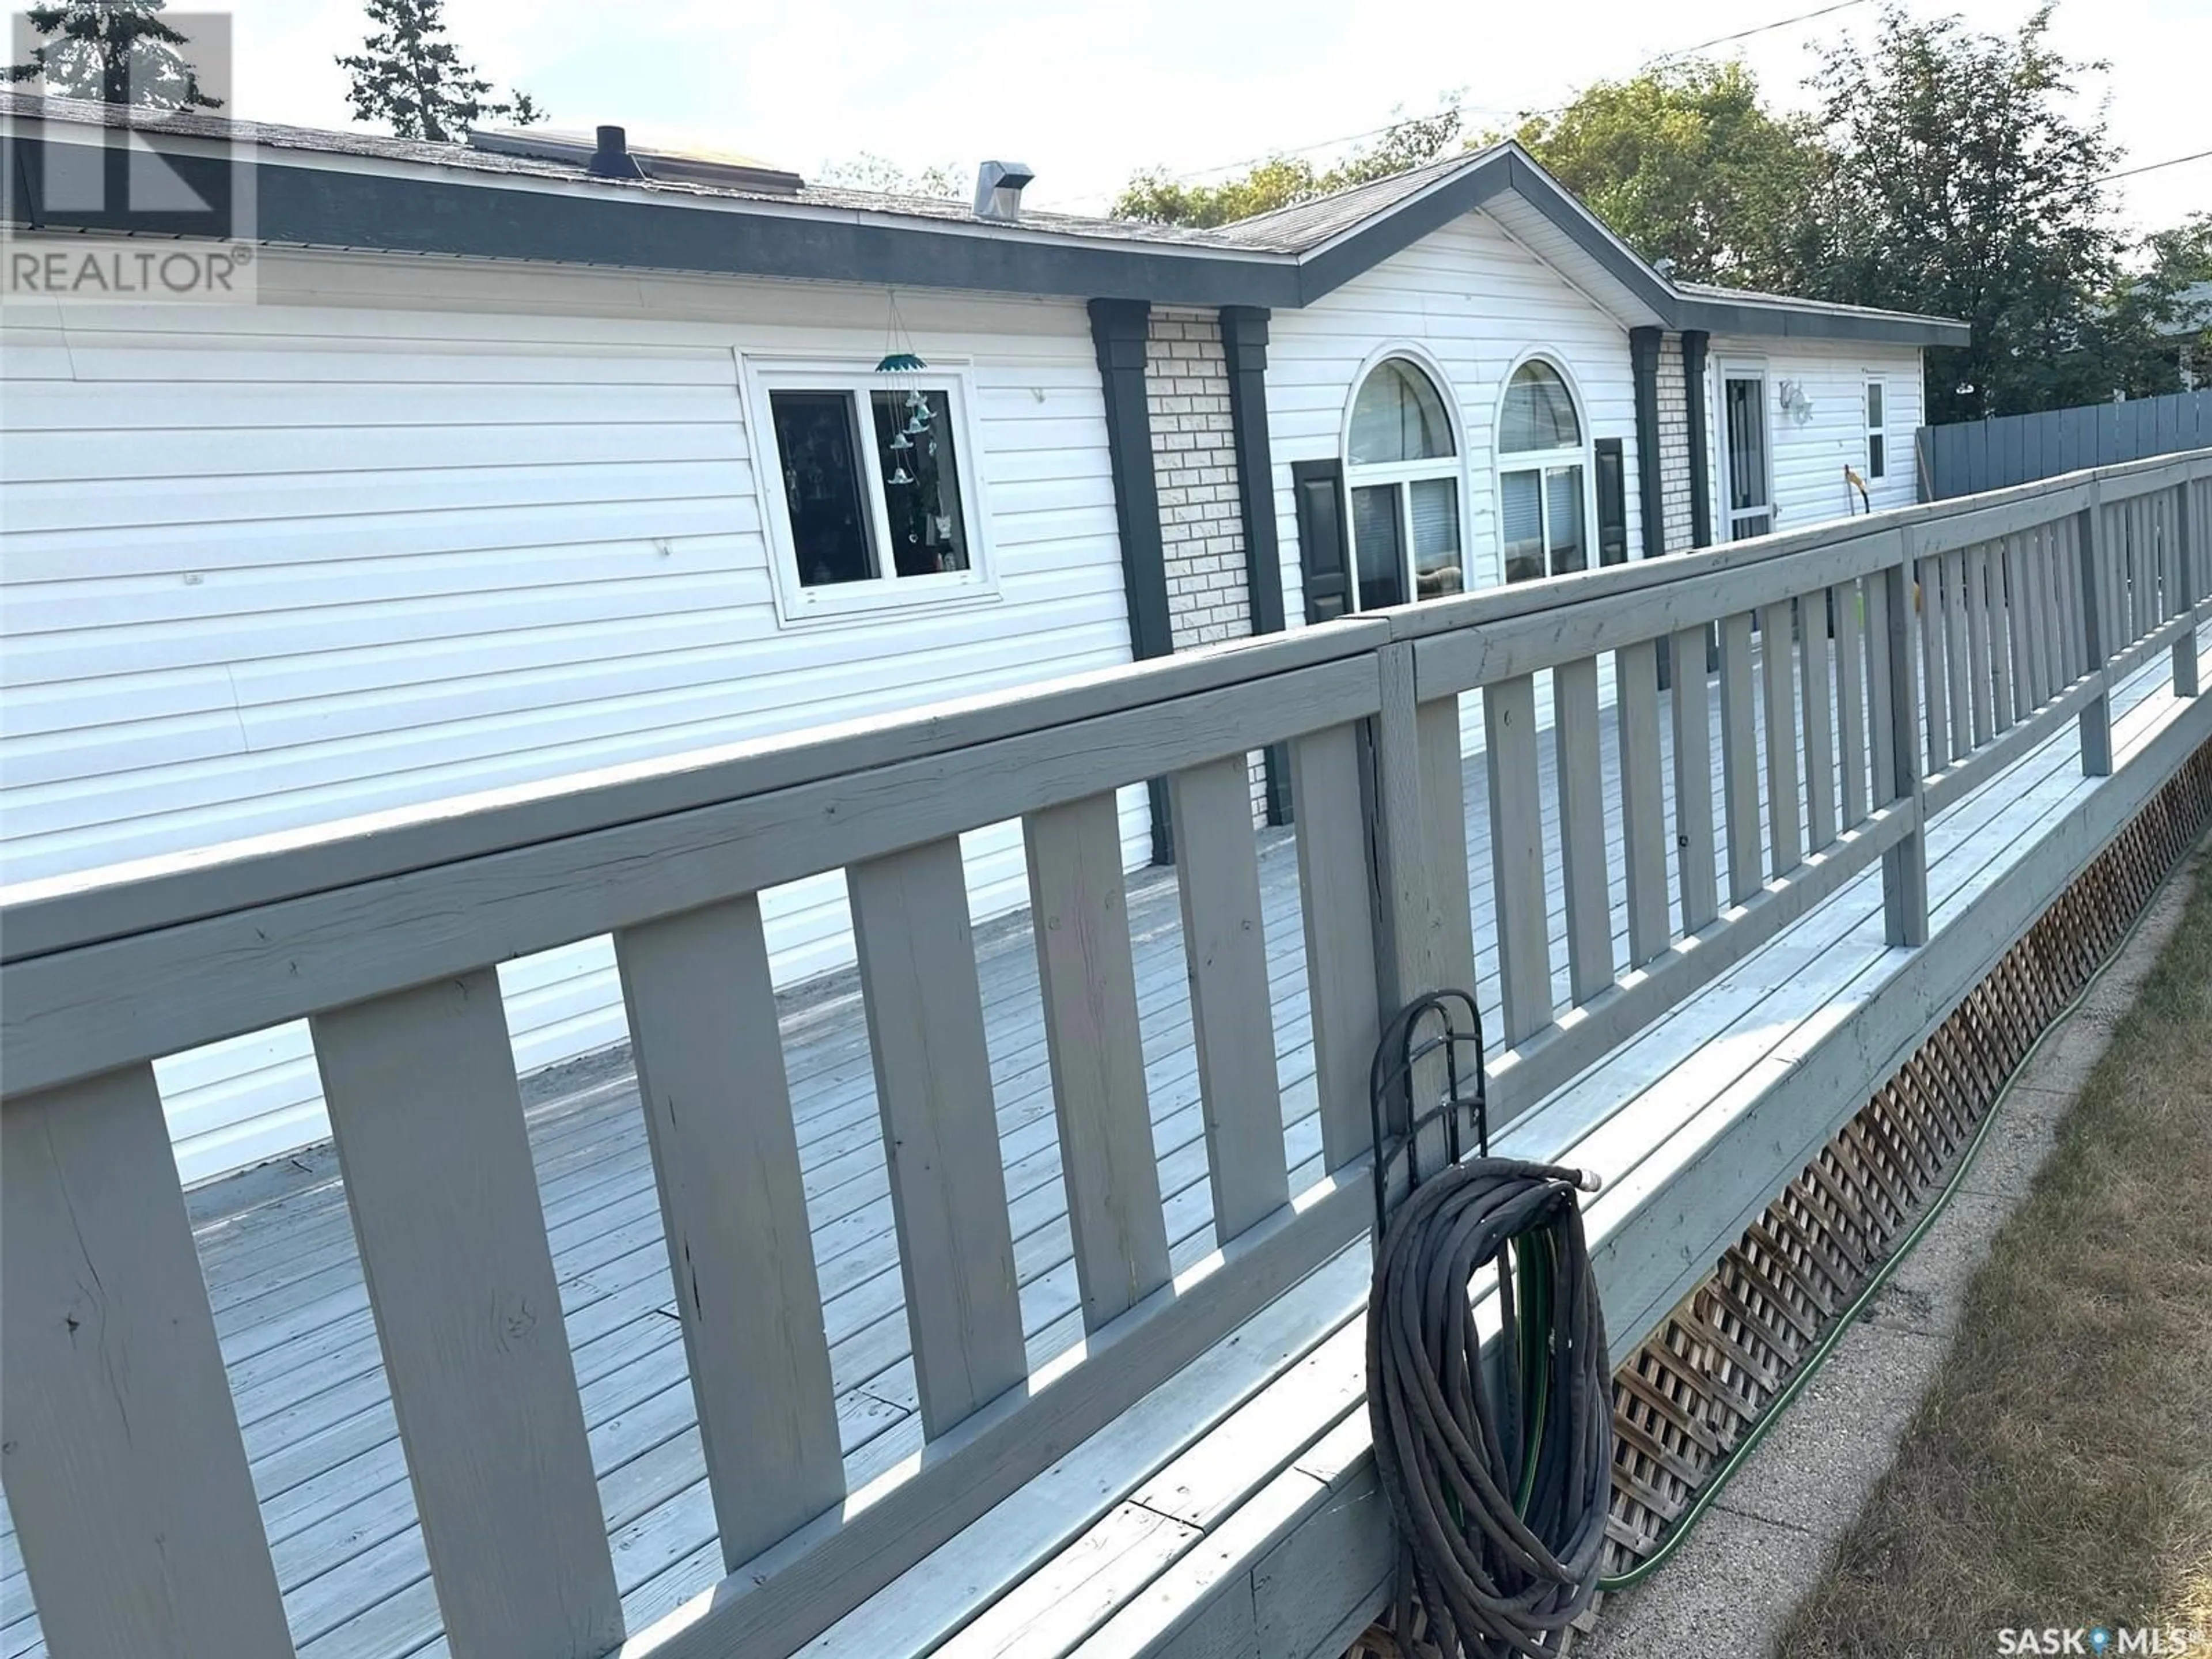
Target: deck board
292, 1314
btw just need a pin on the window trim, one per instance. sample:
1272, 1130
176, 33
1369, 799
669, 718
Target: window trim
1540, 460
1876, 432
1404, 474
799, 605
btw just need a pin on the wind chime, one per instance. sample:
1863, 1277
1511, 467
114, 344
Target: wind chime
902, 364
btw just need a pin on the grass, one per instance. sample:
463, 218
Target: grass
2059, 1472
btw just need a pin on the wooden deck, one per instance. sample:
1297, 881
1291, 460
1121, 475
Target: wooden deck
277, 1247
1131, 1425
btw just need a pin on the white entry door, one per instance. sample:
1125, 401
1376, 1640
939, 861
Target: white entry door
1749, 481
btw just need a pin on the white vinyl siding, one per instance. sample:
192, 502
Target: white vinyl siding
1808, 457
407, 530
1478, 302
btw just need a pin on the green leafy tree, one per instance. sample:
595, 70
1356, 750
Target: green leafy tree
1283, 181
114, 51
1962, 182
868, 171
2159, 326
409, 75
1683, 164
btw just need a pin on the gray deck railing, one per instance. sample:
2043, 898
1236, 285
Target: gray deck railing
1890, 664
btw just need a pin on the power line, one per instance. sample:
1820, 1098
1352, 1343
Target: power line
1763, 28
2153, 166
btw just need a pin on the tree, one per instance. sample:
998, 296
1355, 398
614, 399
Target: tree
1282, 180
409, 75
2159, 326
868, 171
1685, 164
114, 51
1960, 184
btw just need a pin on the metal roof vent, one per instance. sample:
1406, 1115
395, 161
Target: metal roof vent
999, 186
607, 154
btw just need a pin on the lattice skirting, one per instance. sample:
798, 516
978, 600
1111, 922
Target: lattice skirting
1684, 1398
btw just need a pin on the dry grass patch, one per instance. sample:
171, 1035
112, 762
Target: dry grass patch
2059, 1472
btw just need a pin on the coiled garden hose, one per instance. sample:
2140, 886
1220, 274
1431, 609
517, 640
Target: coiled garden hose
1500, 1499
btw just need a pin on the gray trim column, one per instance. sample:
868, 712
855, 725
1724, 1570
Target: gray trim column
1244, 344
1694, 342
1117, 330
1644, 362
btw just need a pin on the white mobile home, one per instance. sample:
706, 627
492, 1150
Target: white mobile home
513, 469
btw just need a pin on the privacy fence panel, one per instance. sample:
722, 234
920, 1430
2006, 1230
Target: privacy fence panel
1968, 457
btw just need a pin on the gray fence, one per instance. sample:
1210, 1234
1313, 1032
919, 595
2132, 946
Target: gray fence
1968, 457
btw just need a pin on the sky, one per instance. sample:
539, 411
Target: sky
1087, 93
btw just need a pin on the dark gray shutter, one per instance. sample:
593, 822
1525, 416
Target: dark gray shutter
1318, 488
1612, 503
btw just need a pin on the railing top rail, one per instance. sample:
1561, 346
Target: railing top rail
38, 918
1498, 604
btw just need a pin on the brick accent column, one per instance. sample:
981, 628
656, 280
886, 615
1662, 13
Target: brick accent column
1674, 447
1202, 510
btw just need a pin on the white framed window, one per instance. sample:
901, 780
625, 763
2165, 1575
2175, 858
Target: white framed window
1877, 441
1544, 476
1401, 469
868, 485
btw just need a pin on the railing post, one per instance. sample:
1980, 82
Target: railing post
1904, 866
2190, 585
2097, 713
1412, 947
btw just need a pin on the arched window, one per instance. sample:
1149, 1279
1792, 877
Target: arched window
1402, 468
1543, 476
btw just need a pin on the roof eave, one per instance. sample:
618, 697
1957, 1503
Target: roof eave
411, 208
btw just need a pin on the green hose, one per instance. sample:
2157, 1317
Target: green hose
1814, 1360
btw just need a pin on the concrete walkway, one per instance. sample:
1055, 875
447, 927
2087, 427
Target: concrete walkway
1762, 1546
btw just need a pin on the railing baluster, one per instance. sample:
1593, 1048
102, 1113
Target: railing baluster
924, 1015
1958, 657
1813, 611
428, 1119
2188, 582
1232, 1021
1337, 900
1079, 913
2031, 604
1517, 856
1739, 759
1904, 866
2096, 722
1443, 838
1850, 697
2075, 577
1643, 799
1934, 673
1778, 672
126, 1479
1693, 781
1582, 828
2004, 629
1982, 647
702, 1011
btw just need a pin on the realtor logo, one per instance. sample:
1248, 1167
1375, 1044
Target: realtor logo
121, 188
